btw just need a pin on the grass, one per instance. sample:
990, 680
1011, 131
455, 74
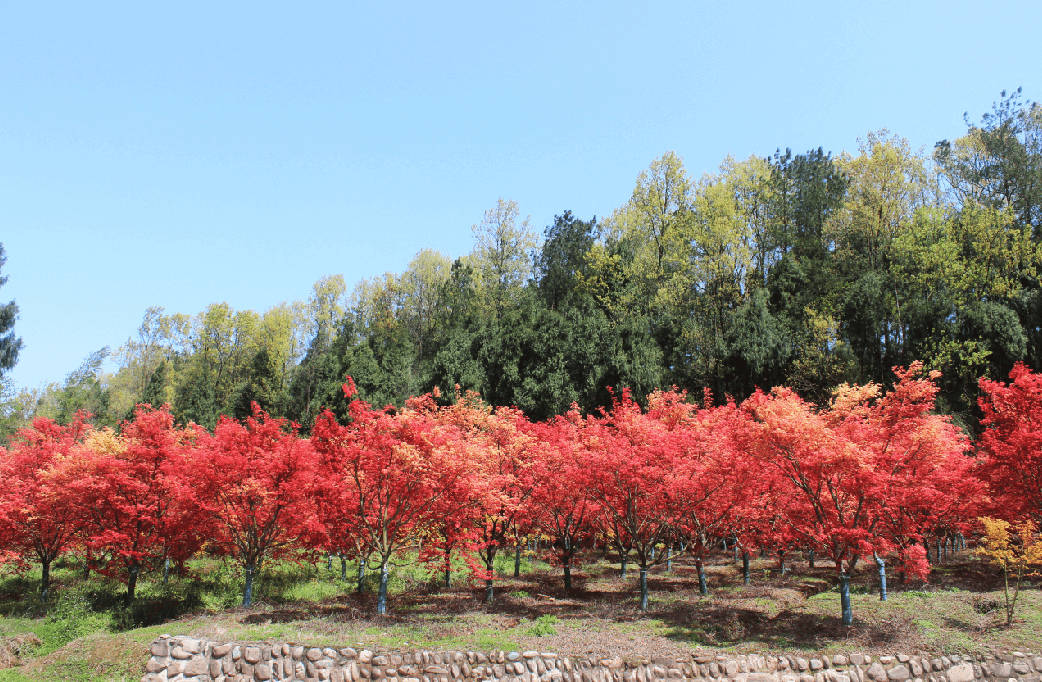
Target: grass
86, 634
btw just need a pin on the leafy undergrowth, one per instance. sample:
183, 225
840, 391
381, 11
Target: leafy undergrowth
84, 633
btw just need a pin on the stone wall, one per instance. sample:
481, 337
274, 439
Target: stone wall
181, 658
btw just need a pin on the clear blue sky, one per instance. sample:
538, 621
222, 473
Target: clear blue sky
178, 154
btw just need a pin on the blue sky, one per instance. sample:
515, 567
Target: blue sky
179, 154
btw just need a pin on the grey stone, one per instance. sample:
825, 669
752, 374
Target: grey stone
815, 664
252, 654
179, 653
838, 660
1002, 670
513, 656
898, 673
221, 650
857, 659
1021, 667
876, 673
801, 664
262, 671
160, 648
192, 646
961, 673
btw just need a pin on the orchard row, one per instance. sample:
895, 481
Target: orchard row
869, 475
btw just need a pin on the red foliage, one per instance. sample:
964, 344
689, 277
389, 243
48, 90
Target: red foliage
259, 477
35, 515
136, 504
1011, 445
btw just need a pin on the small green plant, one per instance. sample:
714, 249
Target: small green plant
520, 594
544, 626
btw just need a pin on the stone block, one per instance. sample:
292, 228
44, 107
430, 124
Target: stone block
262, 671
961, 673
898, 673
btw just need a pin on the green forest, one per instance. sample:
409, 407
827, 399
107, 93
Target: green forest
798, 268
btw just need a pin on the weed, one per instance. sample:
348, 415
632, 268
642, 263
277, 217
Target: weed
544, 626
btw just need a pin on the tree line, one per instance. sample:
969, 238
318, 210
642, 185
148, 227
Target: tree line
873, 474
798, 269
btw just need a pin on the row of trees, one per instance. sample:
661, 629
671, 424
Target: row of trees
870, 474
804, 270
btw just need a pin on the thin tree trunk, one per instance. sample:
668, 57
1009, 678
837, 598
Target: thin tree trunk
517, 560
643, 588
45, 578
247, 593
745, 568
381, 599
844, 599
882, 575
131, 584
361, 575
703, 589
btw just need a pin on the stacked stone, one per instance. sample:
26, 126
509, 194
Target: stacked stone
179, 658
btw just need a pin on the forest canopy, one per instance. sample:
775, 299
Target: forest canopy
800, 268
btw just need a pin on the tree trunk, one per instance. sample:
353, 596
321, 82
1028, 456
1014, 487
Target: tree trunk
381, 600
669, 559
703, 589
247, 593
745, 568
517, 560
567, 574
622, 560
811, 558
361, 575
844, 599
131, 584
882, 576
45, 578
166, 571
643, 588
343, 568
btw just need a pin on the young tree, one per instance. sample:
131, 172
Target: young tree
36, 515
259, 480
136, 505
1012, 444
405, 475
632, 464
1014, 552
502, 444
561, 509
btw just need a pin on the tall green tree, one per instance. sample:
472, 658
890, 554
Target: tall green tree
9, 343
